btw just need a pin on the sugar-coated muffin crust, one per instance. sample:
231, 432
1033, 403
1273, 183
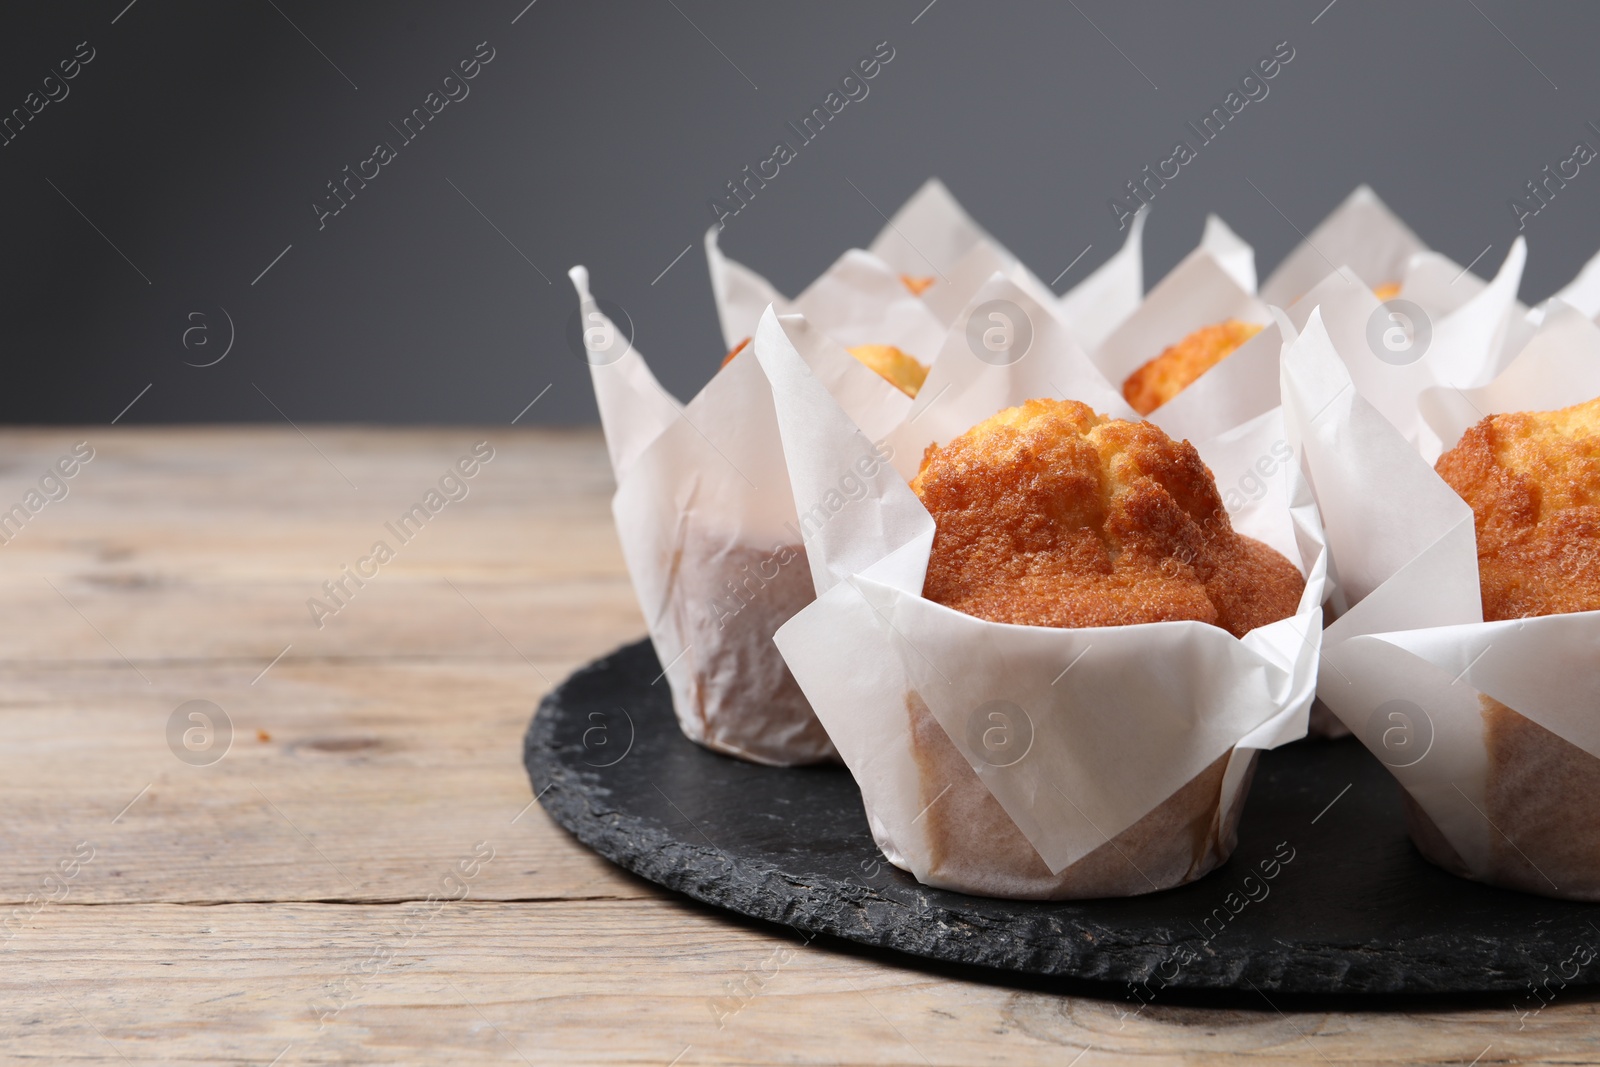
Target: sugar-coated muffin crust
1049, 514
1533, 482
1176, 368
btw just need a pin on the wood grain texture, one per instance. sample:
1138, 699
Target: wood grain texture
623, 982
276, 902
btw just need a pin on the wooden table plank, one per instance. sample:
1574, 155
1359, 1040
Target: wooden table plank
398, 617
372, 776
394, 732
627, 982
185, 544
226, 899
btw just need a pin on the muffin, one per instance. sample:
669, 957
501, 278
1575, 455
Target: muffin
1049, 514
1176, 368
1532, 480
1533, 483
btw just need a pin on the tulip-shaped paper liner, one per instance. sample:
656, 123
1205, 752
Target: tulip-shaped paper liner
933, 238
1440, 303
933, 235
930, 237
706, 520
1204, 289
1231, 251
1560, 366
1362, 234
1214, 283
1392, 362
955, 285
1412, 669
1395, 354
1005, 347
858, 300
929, 232
1097, 305
1583, 292
1245, 385
1478, 327
1393, 351
934, 221
1078, 734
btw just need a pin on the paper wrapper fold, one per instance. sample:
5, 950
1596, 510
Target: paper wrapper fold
858, 300
1490, 727
1028, 761
931, 236
1231, 251
1466, 347
1583, 292
707, 524
966, 379
1361, 234
1210, 285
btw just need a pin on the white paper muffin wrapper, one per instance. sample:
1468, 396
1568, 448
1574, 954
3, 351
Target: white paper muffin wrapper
1202, 290
1211, 284
930, 236
1481, 324
858, 300
1112, 737
702, 499
1361, 234
1467, 346
1405, 665
703, 493
1583, 292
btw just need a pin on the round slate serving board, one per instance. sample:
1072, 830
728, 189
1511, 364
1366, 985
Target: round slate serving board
1352, 908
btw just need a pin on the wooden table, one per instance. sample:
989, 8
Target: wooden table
274, 906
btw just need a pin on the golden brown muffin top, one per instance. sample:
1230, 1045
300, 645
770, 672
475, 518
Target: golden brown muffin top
1533, 482
1049, 514
903, 372
1176, 368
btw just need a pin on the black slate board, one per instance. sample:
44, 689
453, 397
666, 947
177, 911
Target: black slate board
1355, 911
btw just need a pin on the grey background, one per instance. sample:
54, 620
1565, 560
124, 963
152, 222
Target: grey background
202, 132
